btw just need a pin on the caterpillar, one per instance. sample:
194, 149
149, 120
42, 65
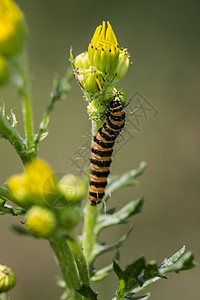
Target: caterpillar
102, 151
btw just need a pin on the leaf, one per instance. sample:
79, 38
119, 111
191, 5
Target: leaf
101, 249
20, 230
127, 179
8, 209
86, 291
128, 278
121, 216
145, 297
176, 263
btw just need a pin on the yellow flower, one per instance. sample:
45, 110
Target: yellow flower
12, 28
39, 177
7, 279
40, 221
30, 187
103, 49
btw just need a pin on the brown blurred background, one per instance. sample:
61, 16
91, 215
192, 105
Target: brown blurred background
163, 40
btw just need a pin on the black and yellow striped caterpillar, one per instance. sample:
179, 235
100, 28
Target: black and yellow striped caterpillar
102, 150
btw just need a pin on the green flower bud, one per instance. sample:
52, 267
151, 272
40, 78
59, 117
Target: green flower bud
4, 71
72, 187
41, 222
12, 28
123, 64
112, 92
82, 61
90, 79
96, 110
69, 217
7, 279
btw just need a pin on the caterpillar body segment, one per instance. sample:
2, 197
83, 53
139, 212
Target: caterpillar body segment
102, 151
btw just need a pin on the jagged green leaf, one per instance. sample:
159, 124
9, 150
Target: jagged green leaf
121, 216
128, 278
8, 209
100, 249
176, 263
86, 291
127, 179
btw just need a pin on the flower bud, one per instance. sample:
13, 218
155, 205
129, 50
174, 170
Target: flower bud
96, 110
35, 186
4, 71
112, 92
12, 28
72, 187
40, 221
82, 61
90, 79
7, 279
69, 217
123, 64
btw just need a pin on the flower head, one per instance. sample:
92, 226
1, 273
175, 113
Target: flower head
30, 187
103, 49
12, 28
40, 221
7, 279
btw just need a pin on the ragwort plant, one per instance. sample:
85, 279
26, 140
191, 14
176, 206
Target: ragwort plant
52, 212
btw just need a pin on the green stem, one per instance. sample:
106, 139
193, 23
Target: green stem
60, 89
68, 267
25, 91
12, 135
89, 235
80, 260
4, 296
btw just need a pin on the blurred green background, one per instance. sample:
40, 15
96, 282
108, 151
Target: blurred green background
163, 40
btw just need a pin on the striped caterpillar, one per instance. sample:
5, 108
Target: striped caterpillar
102, 150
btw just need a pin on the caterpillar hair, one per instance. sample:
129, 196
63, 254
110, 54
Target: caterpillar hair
102, 151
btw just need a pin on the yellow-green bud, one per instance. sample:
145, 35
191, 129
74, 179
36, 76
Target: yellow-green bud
40, 221
4, 71
96, 110
90, 79
82, 61
72, 187
113, 92
12, 28
7, 279
69, 217
123, 64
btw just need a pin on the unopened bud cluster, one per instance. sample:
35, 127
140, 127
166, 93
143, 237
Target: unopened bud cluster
97, 70
50, 204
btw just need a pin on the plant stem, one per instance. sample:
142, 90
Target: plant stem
68, 267
80, 260
89, 236
26, 100
4, 296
